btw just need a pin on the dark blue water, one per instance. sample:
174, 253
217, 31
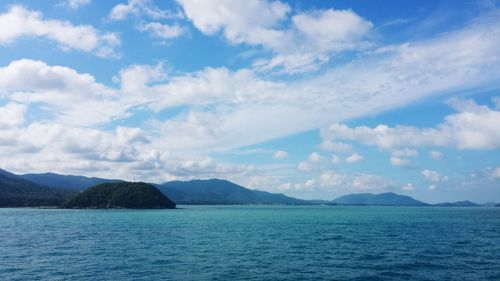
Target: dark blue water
251, 243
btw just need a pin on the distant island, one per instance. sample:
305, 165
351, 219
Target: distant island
130, 195
382, 199
54, 190
465, 203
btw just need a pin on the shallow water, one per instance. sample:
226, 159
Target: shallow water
251, 243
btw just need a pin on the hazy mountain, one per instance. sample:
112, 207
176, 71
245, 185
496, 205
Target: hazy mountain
65, 181
382, 199
465, 203
216, 191
16, 191
132, 195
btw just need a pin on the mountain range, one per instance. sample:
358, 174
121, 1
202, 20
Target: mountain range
59, 188
50, 189
16, 191
216, 191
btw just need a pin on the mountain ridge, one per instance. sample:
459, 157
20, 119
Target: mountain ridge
218, 191
16, 191
381, 199
73, 182
52, 188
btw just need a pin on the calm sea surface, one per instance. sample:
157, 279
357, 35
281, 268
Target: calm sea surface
251, 243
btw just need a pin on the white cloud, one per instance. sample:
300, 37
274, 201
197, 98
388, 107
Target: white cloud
162, 31
19, 22
12, 115
432, 187
399, 157
304, 166
496, 102
353, 158
404, 153
315, 157
473, 127
398, 161
310, 183
436, 155
434, 176
241, 21
335, 146
357, 182
407, 187
334, 182
61, 92
123, 153
300, 47
140, 8
496, 173
74, 4
285, 186
280, 154
336, 159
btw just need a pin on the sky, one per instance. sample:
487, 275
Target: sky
313, 99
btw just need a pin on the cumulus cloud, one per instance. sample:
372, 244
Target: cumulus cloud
63, 93
400, 157
436, 155
144, 11
300, 47
280, 154
20, 22
495, 173
74, 4
407, 187
398, 161
140, 8
334, 182
336, 159
405, 153
434, 176
496, 102
162, 31
335, 146
12, 115
124, 152
315, 157
356, 182
353, 158
304, 166
473, 127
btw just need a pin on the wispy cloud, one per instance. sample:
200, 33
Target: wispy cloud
20, 22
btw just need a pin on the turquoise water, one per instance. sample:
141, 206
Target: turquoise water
251, 243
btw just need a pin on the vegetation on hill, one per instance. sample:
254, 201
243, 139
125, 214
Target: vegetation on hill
121, 195
382, 199
18, 192
216, 191
65, 181
465, 203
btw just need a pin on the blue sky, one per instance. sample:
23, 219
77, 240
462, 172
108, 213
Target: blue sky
314, 99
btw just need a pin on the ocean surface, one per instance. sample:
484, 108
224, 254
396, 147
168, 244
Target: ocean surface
251, 243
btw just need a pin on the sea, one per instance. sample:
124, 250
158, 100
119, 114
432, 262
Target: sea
251, 243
